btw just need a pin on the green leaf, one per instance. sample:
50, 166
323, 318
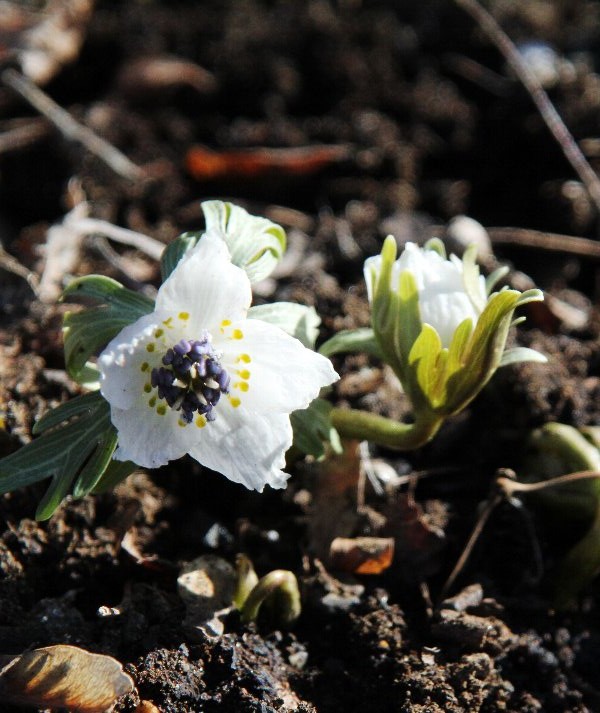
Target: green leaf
352, 340
297, 320
519, 354
312, 429
74, 449
89, 331
256, 244
116, 472
175, 250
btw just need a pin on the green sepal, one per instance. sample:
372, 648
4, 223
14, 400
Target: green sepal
427, 366
89, 331
312, 429
521, 354
256, 244
494, 278
299, 321
175, 250
75, 447
483, 353
352, 340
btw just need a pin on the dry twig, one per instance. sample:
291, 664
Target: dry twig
70, 128
547, 111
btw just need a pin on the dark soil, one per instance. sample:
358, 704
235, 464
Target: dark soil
435, 126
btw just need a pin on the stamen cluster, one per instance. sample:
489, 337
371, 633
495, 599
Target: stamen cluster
192, 379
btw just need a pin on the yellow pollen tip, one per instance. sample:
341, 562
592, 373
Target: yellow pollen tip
237, 334
181, 422
159, 333
200, 421
168, 322
243, 357
150, 347
147, 388
241, 385
145, 366
152, 402
234, 401
184, 315
161, 409
243, 374
225, 323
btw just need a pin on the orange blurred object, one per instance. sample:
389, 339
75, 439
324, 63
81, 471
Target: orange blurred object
205, 164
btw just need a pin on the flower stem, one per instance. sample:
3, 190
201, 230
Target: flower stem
351, 423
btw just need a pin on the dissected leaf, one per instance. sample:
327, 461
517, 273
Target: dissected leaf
64, 677
312, 429
76, 445
90, 330
300, 321
175, 250
352, 340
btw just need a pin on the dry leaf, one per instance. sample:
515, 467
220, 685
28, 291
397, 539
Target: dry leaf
361, 555
64, 677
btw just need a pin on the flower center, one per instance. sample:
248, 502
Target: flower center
192, 379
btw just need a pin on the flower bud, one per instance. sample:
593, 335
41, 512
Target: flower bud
438, 326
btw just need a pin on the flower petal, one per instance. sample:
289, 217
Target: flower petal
206, 286
270, 371
126, 362
148, 438
248, 449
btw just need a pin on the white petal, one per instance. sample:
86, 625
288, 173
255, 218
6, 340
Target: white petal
248, 449
207, 286
122, 377
270, 371
149, 439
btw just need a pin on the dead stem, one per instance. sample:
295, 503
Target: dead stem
70, 128
510, 487
547, 111
488, 508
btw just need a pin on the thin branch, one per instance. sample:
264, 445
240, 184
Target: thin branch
70, 128
509, 486
151, 247
547, 111
488, 508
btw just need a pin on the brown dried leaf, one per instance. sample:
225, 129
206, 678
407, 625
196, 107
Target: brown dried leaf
64, 677
361, 555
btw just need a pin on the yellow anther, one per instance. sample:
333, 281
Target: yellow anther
241, 385
243, 374
168, 322
161, 409
152, 402
200, 421
234, 401
147, 388
150, 347
145, 366
159, 333
237, 334
184, 315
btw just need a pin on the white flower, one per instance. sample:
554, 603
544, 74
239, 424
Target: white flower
197, 376
444, 297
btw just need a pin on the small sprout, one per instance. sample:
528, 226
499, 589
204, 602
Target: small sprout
247, 579
279, 591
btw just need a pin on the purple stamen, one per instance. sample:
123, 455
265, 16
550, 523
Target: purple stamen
200, 379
